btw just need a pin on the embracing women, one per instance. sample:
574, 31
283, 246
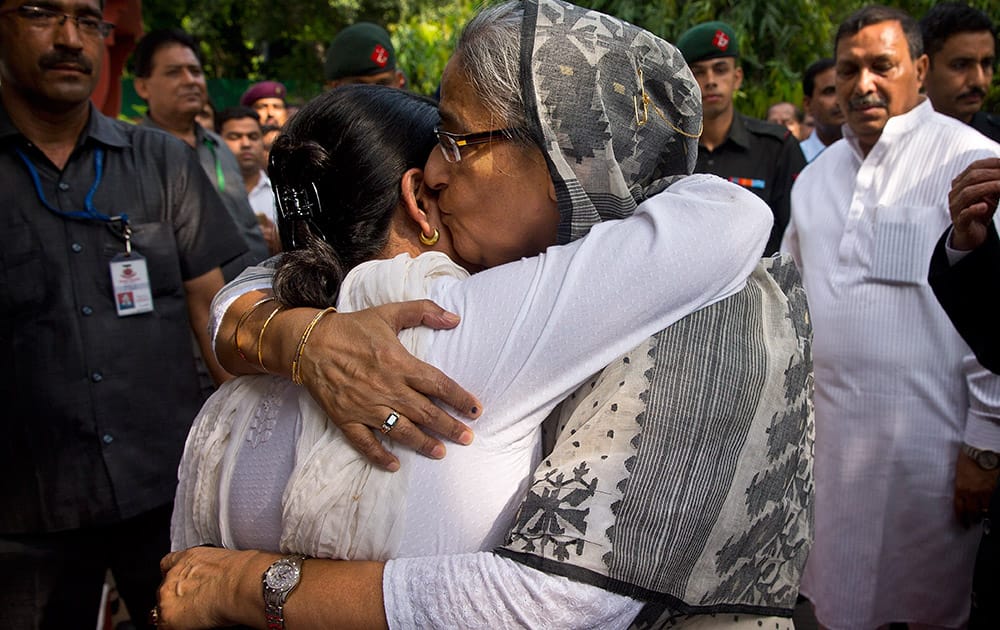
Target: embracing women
677, 480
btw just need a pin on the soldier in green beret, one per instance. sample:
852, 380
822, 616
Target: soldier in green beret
362, 53
758, 155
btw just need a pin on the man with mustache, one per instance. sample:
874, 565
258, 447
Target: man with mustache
110, 248
267, 98
758, 155
960, 42
169, 77
902, 407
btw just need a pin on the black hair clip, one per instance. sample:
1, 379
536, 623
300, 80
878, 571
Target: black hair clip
297, 207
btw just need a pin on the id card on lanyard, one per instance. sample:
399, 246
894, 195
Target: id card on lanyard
129, 276
130, 280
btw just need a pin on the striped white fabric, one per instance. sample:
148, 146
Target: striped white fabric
895, 388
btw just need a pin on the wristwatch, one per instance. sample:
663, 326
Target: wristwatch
987, 460
279, 581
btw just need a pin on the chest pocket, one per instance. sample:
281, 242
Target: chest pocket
903, 240
155, 241
22, 271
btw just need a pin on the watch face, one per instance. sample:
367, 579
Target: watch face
282, 576
988, 460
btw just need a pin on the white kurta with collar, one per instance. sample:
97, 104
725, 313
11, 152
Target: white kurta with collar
897, 390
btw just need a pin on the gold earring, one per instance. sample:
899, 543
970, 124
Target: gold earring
430, 240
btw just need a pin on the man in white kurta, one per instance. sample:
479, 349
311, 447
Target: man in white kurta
897, 390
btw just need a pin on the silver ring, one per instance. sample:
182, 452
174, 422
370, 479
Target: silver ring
390, 422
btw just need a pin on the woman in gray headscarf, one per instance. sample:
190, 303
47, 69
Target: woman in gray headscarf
705, 507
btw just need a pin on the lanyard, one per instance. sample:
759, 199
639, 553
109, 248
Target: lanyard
89, 212
220, 177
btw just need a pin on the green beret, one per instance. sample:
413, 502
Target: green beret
708, 41
359, 50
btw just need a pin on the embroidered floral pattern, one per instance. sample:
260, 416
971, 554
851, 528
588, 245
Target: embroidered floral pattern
265, 416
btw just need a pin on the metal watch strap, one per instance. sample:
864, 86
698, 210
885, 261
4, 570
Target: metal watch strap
275, 597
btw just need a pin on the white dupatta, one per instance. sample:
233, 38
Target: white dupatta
335, 504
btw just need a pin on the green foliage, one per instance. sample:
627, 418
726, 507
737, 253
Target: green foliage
255, 40
424, 39
778, 38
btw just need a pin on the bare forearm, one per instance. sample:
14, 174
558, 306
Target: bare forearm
209, 587
200, 329
331, 594
198, 294
240, 346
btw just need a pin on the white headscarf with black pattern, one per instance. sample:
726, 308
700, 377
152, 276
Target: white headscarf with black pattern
618, 109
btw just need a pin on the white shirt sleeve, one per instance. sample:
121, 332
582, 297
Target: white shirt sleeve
545, 324
954, 255
483, 590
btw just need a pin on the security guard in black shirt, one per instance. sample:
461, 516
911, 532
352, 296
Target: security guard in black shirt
758, 155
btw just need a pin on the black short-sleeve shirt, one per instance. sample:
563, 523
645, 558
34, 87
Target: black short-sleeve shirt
762, 157
96, 406
223, 171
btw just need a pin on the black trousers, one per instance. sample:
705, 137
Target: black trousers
54, 580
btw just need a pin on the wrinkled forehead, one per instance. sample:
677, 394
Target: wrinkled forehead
878, 39
172, 54
268, 101
461, 109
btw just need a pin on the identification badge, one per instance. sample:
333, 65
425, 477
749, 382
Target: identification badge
130, 285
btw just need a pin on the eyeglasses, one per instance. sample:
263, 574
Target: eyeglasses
43, 18
451, 143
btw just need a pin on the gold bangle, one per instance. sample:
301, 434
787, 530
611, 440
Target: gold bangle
260, 338
243, 318
296, 360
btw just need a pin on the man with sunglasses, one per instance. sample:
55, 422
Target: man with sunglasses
111, 243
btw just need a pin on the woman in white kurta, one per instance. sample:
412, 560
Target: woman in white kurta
897, 390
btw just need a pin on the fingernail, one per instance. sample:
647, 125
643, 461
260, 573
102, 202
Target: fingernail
393, 467
438, 451
450, 318
466, 438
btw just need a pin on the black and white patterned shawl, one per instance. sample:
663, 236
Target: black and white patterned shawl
682, 474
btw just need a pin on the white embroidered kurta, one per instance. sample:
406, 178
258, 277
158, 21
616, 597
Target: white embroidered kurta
897, 390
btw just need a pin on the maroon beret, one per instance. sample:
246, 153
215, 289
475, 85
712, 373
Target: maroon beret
264, 89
